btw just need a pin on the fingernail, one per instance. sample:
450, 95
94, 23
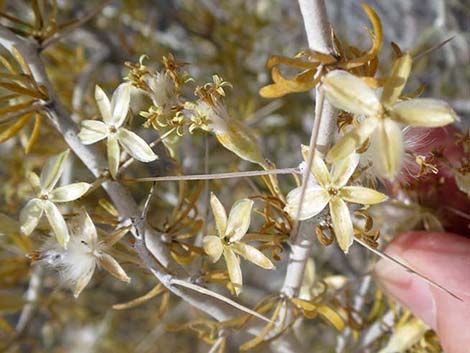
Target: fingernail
408, 289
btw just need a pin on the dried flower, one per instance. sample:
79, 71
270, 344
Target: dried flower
47, 196
331, 189
227, 241
217, 85
201, 116
77, 263
114, 114
318, 64
382, 117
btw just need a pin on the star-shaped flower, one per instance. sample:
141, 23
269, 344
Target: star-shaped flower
330, 188
114, 114
228, 241
382, 116
78, 262
47, 195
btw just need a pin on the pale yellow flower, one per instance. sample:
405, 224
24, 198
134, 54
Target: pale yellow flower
47, 196
330, 188
114, 114
382, 116
228, 240
78, 262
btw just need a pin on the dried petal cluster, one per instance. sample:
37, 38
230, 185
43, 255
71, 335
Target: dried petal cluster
316, 65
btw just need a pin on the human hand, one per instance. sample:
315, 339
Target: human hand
445, 259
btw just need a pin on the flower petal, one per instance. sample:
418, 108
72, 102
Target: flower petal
234, 270
103, 104
213, 247
69, 192
352, 140
82, 226
136, 146
348, 92
315, 201
343, 169
92, 131
34, 181
362, 195
319, 169
397, 80
253, 255
120, 103
114, 155
30, 216
57, 222
239, 219
387, 149
426, 112
342, 223
113, 267
83, 281
52, 170
220, 216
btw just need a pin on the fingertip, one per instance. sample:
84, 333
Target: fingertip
453, 320
445, 259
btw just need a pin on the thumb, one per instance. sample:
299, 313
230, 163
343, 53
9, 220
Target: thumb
444, 258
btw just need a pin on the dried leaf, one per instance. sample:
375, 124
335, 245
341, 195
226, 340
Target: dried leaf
13, 129
331, 316
158, 289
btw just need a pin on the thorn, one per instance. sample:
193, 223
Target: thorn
407, 268
431, 49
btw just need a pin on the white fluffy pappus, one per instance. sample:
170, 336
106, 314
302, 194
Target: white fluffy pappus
84, 252
414, 140
163, 91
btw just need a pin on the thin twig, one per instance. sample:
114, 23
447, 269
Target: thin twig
31, 298
218, 296
146, 208
205, 211
311, 155
217, 344
215, 175
342, 339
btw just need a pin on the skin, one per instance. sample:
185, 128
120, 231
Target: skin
444, 258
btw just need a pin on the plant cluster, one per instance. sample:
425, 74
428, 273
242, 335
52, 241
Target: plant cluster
138, 197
